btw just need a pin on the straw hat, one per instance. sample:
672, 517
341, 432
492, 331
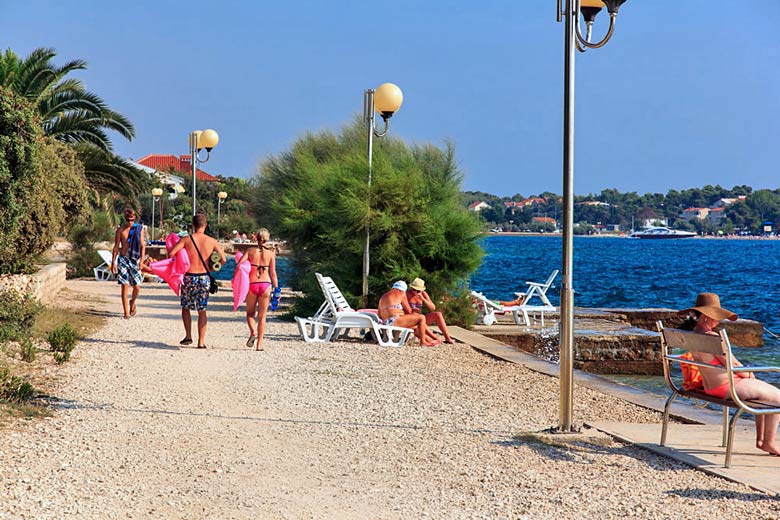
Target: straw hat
418, 284
709, 305
400, 285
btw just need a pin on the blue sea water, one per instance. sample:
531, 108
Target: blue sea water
622, 272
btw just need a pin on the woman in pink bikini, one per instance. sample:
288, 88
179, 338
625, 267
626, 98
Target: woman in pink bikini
708, 314
262, 280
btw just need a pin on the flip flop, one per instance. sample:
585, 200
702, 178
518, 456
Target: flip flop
201, 346
186, 341
251, 341
132, 309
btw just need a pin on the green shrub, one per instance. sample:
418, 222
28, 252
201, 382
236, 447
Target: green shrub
83, 256
63, 341
27, 350
17, 314
458, 309
13, 388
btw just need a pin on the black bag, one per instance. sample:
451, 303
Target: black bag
213, 285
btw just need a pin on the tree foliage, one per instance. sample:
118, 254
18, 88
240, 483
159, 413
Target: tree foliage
316, 197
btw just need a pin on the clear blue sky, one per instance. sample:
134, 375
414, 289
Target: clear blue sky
685, 94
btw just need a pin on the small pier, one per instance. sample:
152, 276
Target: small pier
609, 341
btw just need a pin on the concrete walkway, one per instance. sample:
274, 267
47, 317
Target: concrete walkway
696, 441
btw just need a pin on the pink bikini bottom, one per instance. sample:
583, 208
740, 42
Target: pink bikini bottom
259, 288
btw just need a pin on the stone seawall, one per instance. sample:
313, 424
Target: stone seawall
43, 285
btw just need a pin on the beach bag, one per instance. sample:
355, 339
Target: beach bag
213, 286
691, 375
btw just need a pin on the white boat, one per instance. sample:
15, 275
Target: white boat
662, 232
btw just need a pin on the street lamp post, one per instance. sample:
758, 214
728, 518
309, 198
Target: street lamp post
569, 9
199, 140
221, 196
386, 100
156, 194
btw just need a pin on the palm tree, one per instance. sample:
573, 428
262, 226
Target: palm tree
73, 115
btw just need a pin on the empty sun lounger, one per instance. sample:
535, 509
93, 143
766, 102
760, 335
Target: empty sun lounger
103, 271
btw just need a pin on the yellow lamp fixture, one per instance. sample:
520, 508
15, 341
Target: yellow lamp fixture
222, 195
388, 99
157, 192
208, 139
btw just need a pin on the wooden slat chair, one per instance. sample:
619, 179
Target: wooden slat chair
674, 339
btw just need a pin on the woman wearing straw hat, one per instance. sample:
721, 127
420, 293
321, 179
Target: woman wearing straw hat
708, 314
417, 298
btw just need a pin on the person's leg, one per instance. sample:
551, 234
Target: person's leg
124, 301
186, 319
251, 310
262, 311
755, 389
136, 291
416, 322
436, 318
202, 321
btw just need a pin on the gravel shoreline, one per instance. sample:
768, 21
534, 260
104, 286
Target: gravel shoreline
145, 429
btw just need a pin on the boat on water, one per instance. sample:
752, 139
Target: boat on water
661, 232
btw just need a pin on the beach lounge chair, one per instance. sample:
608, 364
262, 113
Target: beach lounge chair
336, 317
103, 271
538, 289
488, 308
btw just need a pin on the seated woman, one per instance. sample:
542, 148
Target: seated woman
394, 310
707, 314
417, 298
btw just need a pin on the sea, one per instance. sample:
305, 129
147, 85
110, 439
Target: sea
620, 272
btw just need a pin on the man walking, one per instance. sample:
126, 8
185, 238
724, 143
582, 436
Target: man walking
194, 292
129, 248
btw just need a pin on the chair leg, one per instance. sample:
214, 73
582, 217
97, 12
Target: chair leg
725, 426
667, 406
730, 442
314, 331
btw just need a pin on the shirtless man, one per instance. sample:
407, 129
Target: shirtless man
129, 248
394, 310
194, 292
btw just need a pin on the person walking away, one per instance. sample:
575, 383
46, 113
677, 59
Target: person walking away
394, 310
262, 283
129, 248
194, 292
418, 298
707, 314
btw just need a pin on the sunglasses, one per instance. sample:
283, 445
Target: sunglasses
417, 290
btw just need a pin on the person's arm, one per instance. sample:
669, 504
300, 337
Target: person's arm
115, 251
405, 304
427, 301
222, 256
272, 271
143, 245
178, 247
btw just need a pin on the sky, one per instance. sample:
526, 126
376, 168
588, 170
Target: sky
685, 93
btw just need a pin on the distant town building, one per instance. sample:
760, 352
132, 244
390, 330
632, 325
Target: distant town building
722, 203
173, 184
592, 203
544, 220
694, 213
715, 216
477, 206
180, 164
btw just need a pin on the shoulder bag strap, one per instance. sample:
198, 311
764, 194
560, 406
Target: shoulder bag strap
199, 255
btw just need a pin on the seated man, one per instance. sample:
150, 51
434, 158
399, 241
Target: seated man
394, 310
417, 298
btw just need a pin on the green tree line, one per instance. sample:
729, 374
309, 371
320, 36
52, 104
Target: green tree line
747, 214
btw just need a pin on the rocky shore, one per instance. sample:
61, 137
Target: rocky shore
145, 429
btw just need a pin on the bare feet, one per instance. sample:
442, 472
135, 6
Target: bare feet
769, 448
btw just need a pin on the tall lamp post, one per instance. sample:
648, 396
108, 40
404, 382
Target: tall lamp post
570, 10
221, 196
156, 194
386, 100
199, 140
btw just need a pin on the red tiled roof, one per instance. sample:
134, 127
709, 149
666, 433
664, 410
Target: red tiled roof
181, 165
543, 219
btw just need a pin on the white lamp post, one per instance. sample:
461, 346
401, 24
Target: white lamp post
386, 100
221, 196
156, 194
569, 10
199, 140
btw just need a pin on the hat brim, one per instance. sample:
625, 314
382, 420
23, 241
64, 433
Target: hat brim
417, 287
716, 313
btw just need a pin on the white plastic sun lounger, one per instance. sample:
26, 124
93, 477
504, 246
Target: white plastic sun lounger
336, 317
103, 271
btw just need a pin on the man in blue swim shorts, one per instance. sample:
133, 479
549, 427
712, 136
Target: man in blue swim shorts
194, 292
129, 248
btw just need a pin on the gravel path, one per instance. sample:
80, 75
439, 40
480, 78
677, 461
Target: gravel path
145, 429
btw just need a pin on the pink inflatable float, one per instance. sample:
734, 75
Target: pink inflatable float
172, 270
240, 281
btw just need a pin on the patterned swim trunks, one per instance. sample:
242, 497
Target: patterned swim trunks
194, 292
128, 272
